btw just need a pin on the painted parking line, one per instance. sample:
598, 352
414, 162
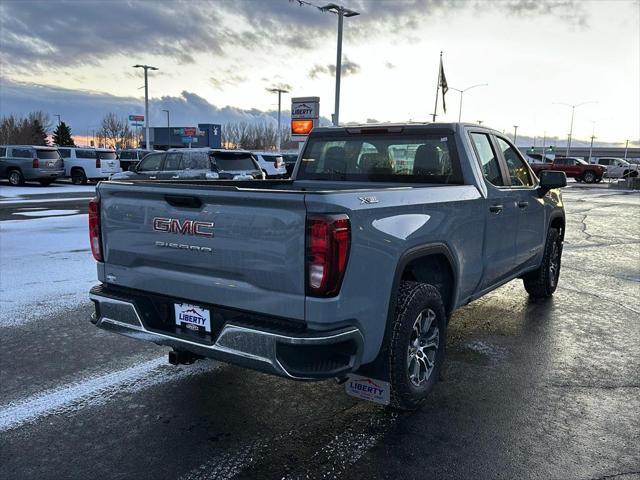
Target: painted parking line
95, 391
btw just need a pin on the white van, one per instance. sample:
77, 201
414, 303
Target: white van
83, 164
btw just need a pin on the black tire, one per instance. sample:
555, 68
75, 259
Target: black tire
417, 303
78, 177
589, 176
542, 283
45, 183
16, 178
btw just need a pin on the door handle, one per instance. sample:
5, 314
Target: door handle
152, 178
176, 176
523, 204
495, 208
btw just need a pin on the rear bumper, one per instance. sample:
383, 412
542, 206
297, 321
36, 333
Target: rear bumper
302, 356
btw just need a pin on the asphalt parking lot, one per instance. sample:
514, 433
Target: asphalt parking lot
545, 389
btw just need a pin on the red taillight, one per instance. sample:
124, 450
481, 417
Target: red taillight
94, 229
328, 242
97, 162
36, 163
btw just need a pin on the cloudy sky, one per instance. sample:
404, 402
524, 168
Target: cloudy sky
218, 57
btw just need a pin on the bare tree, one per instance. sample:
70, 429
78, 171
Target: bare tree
115, 132
29, 130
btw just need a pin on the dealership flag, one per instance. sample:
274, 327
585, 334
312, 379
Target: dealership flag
443, 84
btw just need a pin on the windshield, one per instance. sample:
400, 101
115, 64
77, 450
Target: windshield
107, 155
581, 162
423, 158
47, 154
234, 161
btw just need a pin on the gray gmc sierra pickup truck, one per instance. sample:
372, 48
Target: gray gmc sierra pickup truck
351, 269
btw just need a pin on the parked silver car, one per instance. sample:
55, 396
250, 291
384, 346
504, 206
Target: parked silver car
27, 163
193, 164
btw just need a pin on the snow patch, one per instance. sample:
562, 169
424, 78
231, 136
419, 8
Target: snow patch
45, 266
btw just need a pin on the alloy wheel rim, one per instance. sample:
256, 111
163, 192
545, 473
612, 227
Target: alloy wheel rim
14, 178
423, 347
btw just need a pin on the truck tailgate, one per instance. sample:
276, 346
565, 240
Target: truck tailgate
151, 242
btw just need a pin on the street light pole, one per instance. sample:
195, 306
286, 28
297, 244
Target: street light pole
167, 112
515, 134
626, 148
146, 100
341, 12
279, 91
573, 110
464, 90
57, 115
593, 135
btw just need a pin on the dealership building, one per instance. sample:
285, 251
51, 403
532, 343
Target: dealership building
204, 135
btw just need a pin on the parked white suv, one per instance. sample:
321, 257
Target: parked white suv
83, 164
271, 163
618, 167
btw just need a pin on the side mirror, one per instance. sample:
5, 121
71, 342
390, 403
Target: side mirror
550, 180
133, 168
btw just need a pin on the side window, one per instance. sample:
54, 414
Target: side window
151, 163
196, 161
3, 152
64, 152
487, 157
517, 167
85, 154
21, 153
173, 161
604, 161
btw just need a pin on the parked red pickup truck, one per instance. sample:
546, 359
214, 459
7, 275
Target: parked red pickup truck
574, 168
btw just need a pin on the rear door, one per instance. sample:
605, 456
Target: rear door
109, 162
172, 166
149, 167
531, 232
49, 159
3, 162
501, 213
248, 251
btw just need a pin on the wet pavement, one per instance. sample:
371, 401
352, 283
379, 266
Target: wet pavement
531, 389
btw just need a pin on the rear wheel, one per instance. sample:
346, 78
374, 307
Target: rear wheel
16, 178
78, 177
417, 345
542, 283
589, 176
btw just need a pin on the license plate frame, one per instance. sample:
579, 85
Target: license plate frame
193, 318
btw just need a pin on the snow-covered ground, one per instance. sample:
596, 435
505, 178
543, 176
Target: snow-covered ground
45, 267
7, 191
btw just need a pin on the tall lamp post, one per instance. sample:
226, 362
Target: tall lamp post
146, 100
167, 112
462, 92
279, 91
168, 127
341, 12
515, 134
573, 110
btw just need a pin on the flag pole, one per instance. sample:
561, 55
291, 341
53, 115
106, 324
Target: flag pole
435, 108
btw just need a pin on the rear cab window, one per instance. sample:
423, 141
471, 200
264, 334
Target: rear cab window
107, 155
382, 157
